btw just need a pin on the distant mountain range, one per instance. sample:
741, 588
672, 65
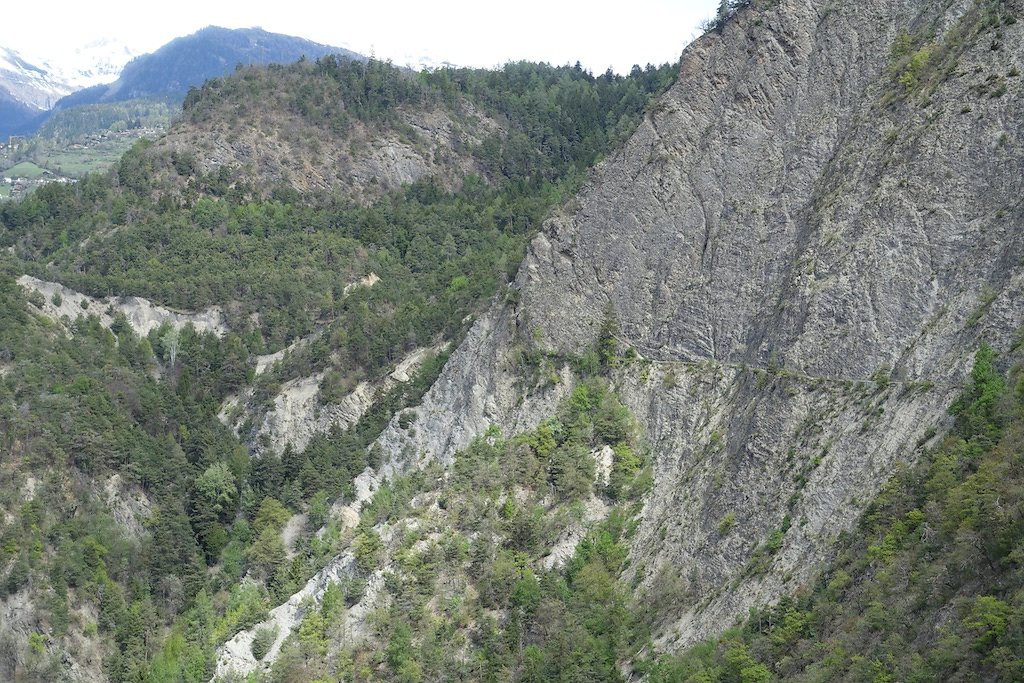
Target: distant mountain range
32, 89
31, 85
191, 60
38, 81
15, 117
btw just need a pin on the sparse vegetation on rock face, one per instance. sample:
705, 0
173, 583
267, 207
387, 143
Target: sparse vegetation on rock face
335, 126
927, 586
362, 129
363, 290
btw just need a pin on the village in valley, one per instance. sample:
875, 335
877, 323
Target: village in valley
29, 163
14, 185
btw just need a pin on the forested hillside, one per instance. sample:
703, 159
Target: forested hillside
131, 511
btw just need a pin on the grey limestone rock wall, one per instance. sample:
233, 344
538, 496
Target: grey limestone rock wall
806, 254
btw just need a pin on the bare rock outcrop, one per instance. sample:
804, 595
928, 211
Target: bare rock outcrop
143, 315
364, 161
805, 248
297, 415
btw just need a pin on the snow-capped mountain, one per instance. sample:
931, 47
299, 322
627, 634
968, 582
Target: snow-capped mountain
97, 62
38, 82
32, 85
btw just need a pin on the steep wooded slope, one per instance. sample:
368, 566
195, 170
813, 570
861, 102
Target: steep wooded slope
784, 276
928, 585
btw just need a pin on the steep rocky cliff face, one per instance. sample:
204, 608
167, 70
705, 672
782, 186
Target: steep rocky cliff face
804, 242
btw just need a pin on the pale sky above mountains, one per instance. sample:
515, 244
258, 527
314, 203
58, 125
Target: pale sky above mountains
462, 32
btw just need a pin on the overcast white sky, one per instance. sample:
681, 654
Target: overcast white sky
463, 32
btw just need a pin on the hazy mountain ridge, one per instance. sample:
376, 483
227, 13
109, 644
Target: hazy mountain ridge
106, 71
41, 82
188, 61
29, 84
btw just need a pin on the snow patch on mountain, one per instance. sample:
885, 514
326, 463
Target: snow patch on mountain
39, 81
99, 61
